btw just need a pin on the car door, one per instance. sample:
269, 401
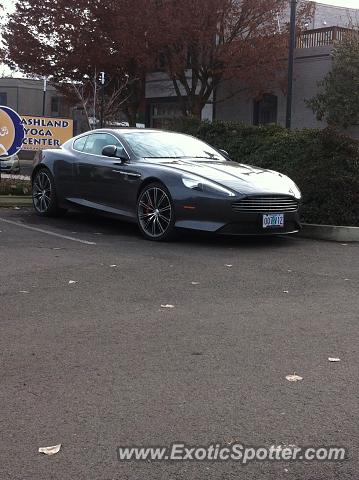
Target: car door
103, 180
77, 192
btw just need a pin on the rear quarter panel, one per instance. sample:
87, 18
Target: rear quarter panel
60, 163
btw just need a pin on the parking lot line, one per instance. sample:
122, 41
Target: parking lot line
47, 232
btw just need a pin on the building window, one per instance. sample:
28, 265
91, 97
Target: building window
55, 105
3, 99
265, 110
163, 113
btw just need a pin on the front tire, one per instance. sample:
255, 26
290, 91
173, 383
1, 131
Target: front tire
155, 213
44, 196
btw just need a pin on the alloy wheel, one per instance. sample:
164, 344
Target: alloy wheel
41, 192
154, 212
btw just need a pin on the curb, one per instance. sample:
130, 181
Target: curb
15, 201
330, 232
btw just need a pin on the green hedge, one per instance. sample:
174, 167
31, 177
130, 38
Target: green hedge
13, 186
323, 163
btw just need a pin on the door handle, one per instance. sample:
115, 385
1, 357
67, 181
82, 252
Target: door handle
130, 174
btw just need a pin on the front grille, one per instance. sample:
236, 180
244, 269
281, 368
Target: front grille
264, 204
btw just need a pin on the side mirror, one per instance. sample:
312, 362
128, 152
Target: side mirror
114, 152
224, 152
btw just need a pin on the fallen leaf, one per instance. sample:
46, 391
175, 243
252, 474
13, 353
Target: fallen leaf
232, 441
167, 306
50, 450
72, 281
294, 378
333, 359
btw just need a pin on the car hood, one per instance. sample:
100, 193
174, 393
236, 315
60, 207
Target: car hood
244, 179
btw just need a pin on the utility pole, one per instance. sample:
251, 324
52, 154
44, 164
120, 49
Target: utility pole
102, 80
292, 39
44, 97
94, 102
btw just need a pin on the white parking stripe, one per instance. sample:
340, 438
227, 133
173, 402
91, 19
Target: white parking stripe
47, 232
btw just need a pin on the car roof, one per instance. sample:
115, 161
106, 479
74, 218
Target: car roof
120, 130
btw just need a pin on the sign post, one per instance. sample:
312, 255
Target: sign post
44, 97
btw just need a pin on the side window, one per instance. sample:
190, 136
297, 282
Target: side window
97, 141
79, 144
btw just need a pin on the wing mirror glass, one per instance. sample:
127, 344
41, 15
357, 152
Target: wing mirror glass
115, 152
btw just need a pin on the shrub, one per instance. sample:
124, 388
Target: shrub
323, 163
14, 186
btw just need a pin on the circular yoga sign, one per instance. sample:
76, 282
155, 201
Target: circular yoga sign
12, 132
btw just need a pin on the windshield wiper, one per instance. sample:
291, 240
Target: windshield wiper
186, 157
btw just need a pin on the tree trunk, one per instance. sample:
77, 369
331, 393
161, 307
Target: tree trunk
196, 108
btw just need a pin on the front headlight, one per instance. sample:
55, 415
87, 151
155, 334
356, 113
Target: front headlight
295, 189
202, 185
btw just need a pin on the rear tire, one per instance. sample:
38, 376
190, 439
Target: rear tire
44, 196
155, 213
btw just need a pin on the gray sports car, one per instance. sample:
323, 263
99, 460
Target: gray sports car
164, 181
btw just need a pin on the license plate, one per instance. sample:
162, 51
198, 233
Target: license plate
273, 220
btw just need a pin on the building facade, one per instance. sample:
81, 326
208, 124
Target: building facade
312, 62
26, 96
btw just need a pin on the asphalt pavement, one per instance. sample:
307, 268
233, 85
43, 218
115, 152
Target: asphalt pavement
91, 360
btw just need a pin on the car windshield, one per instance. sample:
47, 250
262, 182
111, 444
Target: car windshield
170, 146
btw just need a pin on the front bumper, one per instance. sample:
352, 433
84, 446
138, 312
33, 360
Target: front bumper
10, 168
252, 224
219, 216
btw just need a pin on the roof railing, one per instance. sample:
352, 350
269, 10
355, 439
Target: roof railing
320, 37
